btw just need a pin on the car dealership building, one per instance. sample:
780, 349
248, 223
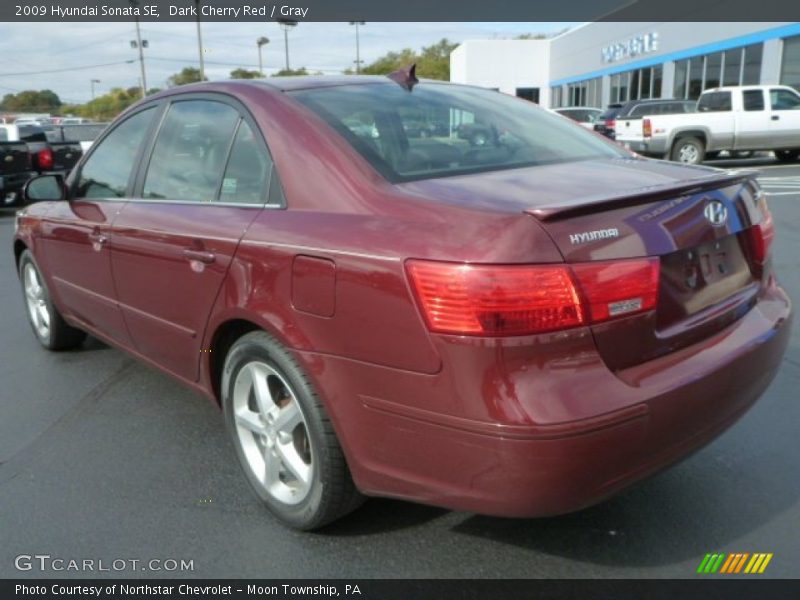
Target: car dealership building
600, 63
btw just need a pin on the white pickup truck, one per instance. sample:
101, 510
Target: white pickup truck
733, 119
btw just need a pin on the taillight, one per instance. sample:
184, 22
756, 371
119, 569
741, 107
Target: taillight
616, 288
647, 128
489, 300
763, 233
44, 158
611, 123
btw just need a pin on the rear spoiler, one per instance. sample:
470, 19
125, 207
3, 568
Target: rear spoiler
590, 204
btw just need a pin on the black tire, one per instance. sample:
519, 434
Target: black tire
686, 147
787, 155
58, 335
331, 493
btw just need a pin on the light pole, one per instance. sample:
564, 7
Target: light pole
358, 48
93, 81
286, 25
197, 4
141, 45
261, 42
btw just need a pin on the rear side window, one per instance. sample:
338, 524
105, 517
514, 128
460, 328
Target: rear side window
438, 130
32, 133
784, 100
753, 100
81, 133
247, 173
189, 156
715, 102
107, 171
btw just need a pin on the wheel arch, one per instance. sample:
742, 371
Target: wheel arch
224, 336
701, 134
19, 247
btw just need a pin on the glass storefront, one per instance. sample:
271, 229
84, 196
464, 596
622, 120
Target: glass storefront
636, 85
790, 64
739, 66
585, 93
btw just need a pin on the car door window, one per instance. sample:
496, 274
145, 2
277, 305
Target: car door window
247, 173
753, 100
784, 100
106, 172
189, 155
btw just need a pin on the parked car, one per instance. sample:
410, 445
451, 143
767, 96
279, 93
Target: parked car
83, 133
617, 118
15, 170
581, 114
520, 328
735, 120
44, 156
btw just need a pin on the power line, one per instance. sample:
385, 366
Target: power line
226, 64
82, 67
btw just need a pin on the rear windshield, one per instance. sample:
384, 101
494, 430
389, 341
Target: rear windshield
438, 130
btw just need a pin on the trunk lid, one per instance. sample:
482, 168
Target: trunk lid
696, 220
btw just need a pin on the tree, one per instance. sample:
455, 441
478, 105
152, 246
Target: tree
31, 101
245, 74
187, 75
291, 72
433, 62
107, 106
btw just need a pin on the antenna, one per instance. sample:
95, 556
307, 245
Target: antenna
407, 77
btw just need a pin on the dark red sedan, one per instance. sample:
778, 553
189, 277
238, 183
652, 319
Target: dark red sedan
521, 327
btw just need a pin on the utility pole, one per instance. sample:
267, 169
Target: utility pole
358, 48
197, 4
261, 42
141, 45
93, 81
286, 25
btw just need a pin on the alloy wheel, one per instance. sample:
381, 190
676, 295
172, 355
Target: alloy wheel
36, 300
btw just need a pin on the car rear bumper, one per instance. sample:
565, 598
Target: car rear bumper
646, 417
652, 147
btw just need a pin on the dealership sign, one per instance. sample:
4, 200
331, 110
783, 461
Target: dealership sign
641, 44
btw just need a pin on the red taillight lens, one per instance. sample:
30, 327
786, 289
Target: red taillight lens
762, 234
491, 300
611, 123
647, 128
495, 300
44, 158
616, 288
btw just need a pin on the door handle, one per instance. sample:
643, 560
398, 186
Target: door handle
200, 255
98, 238
775, 117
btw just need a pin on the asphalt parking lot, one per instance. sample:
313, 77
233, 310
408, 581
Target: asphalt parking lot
104, 458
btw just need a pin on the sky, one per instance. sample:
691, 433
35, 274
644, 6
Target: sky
28, 48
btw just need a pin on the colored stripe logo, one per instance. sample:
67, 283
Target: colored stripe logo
735, 563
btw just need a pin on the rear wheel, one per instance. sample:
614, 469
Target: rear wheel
688, 150
47, 323
283, 437
787, 155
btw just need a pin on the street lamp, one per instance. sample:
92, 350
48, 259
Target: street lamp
358, 49
261, 42
139, 44
286, 25
93, 81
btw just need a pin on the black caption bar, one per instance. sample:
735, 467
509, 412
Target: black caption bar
405, 10
421, 589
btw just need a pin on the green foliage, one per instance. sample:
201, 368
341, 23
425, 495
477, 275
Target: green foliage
44, 101
245, 74
107, 106
433, 62
291, 72
187, 75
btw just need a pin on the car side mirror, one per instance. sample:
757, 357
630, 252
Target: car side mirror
43, 188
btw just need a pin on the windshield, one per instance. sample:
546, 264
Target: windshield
438, 130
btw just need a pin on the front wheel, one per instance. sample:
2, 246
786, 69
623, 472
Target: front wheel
47, 323
283, 437
689, 151
787, 155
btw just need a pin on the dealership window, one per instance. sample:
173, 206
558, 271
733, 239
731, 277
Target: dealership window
637, 84
530, 94
790, 64
556, 100
585, 93
738, 66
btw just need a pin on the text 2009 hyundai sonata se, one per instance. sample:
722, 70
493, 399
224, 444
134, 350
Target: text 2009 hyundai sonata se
519, 323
